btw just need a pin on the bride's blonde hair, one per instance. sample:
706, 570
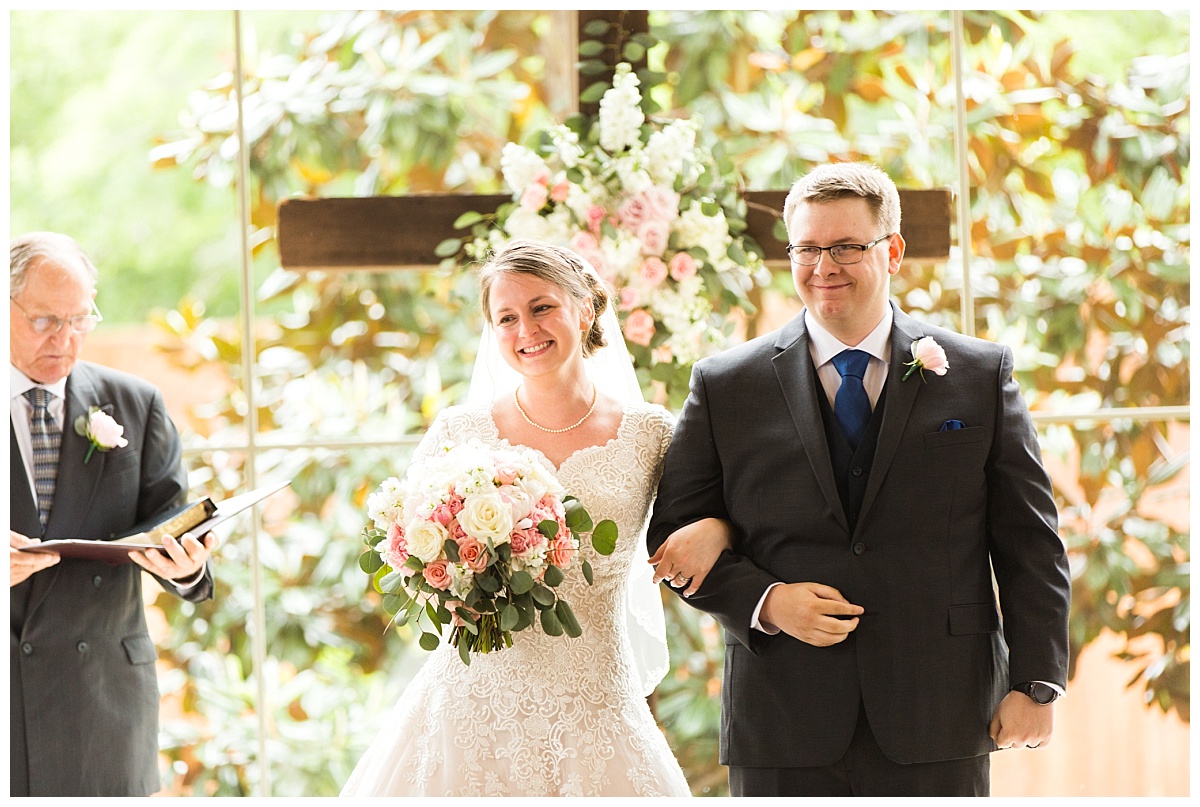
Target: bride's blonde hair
556, 265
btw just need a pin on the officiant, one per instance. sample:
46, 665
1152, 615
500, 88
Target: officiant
92, 454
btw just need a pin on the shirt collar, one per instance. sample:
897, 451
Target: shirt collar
19, 384
823, 345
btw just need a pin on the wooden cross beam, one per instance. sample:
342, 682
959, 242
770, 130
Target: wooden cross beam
392, 232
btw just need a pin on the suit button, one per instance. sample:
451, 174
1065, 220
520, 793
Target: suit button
857, 472
82, 647
27, 649
860, 548
97, 580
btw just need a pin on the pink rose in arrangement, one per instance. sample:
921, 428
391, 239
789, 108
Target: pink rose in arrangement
653, 271
595, 217
662, 203
437, 574
596, 258
396, 552
584, 242
534, 197
518, 500
472, 554
682, 266
629, 298
455, 502
633, 212
639, 327
927, 355
507, 474
560, 191
654, 235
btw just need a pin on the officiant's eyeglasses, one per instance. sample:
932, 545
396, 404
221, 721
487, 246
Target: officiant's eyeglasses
84, 323
845, 254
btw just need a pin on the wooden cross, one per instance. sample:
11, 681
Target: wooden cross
393, 232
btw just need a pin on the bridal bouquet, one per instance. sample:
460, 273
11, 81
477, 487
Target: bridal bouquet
478, 539
657, 214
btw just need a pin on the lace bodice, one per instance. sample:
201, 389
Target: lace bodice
550, 715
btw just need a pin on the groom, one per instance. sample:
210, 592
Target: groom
865, 652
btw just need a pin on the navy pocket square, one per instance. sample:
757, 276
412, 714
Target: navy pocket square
951, 425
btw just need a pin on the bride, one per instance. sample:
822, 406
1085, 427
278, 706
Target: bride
552, 715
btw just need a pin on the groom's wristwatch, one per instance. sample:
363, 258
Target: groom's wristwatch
1038, 692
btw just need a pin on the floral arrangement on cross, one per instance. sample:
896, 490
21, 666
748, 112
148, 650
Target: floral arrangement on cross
657, 214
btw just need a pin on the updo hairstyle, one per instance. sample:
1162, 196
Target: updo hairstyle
556, 265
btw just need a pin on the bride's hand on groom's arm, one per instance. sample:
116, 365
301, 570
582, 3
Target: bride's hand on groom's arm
689, 553
811, 612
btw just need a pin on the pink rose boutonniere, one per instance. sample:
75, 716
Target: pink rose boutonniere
101, 430
927, 355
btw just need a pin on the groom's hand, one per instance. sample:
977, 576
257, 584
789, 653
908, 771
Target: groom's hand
1021, 723
811, 612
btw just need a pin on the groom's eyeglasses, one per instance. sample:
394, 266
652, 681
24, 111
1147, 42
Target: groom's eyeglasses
845, 254
84, 323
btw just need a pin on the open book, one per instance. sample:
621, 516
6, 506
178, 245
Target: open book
196, 518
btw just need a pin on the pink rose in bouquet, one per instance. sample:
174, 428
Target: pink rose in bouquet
463, 543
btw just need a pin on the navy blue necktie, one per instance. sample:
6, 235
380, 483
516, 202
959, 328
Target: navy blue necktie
852, 407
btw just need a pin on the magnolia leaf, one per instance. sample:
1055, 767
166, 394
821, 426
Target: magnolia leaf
604, 537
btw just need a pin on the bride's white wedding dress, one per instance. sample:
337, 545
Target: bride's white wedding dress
551, 715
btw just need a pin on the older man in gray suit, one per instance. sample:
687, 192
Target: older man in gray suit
877, 472
83, 692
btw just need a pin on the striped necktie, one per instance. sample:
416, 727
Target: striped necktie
47, 437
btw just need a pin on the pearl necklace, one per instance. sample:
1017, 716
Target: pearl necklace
529, 420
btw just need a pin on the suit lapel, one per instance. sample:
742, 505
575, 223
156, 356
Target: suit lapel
794, 369
76, 484
79, 481
900, 398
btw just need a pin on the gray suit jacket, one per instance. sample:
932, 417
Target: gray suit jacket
83, 692
942, 512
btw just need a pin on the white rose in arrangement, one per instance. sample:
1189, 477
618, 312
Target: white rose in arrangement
486, 516
425, 539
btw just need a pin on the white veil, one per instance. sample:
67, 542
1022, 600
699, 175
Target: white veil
611, 369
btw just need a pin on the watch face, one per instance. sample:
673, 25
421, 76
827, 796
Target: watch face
1041, 693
